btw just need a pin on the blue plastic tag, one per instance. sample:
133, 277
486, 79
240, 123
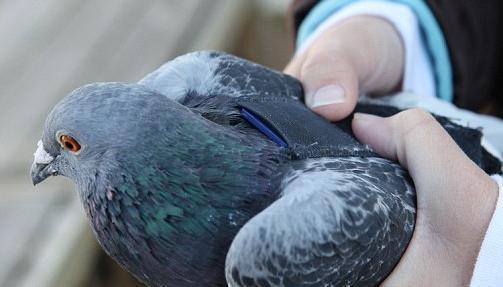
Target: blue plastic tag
268, 132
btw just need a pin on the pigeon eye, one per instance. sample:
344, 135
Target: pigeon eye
69, 143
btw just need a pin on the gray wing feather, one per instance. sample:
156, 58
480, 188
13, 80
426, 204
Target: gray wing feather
209, 82
190, 72
209, 73
339, 222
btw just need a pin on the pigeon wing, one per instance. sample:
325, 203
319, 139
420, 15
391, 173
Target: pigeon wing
207, 74
210, 83
339, 222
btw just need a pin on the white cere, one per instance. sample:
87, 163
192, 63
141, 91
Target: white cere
41, 156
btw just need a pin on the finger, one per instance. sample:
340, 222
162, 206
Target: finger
415, 139
438, 167
377, 133
331, 84
293, 67
419, 143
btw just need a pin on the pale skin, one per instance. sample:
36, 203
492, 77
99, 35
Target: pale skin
455, 198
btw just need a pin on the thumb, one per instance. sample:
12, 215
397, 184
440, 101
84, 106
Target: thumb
438, 167
416, 140
331, 85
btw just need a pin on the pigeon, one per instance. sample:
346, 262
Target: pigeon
210, 171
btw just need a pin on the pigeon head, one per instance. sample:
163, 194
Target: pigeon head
153, 175
99, 125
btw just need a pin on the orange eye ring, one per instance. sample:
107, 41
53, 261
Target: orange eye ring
69, 143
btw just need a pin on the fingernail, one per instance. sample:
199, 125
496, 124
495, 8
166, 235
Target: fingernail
327, 95
364, 119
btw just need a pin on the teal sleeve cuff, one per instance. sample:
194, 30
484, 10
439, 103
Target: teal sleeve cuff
432, 36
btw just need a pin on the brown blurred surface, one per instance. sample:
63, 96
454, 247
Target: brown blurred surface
51, 47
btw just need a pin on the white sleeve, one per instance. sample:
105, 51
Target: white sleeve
488, 270
418, 75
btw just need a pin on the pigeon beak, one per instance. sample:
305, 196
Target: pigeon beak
42, 165
39, 172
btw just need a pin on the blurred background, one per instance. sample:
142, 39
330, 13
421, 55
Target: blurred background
48, 48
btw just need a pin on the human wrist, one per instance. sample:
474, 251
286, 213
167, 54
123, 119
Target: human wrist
488, 267
486, 198
461, 249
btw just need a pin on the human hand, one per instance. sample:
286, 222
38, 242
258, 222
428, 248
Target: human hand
362, 54
455, 198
